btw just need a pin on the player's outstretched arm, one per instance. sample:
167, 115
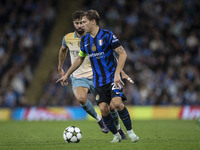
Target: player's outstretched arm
77, 62
61, 58
120, 64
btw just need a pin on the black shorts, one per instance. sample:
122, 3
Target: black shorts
106, 92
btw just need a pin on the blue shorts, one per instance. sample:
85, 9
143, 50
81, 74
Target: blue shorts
83, 82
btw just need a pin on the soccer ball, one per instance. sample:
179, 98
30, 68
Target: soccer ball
72, 134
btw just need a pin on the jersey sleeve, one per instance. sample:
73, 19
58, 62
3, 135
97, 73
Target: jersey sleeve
113, 40
82, 52
64, 42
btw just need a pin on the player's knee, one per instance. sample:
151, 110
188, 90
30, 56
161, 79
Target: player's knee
112, 108
81, 99
119, 106
104, 109
117, 103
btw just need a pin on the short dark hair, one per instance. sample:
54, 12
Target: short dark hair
92, 14
77, 15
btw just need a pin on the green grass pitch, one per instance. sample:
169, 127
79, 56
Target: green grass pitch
47, 135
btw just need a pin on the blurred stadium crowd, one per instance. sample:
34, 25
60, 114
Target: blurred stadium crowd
24, 29
161, 38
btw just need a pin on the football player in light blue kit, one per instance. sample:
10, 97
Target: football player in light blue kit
82, 81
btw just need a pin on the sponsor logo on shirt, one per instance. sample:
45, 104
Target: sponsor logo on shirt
98, 55
114, 39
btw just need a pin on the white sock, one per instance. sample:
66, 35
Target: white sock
98, 118
118, 126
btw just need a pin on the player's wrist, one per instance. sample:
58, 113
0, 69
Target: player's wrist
59, 69
67, 75
117, 72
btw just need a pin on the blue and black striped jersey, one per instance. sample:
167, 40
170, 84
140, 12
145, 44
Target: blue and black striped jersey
100, 50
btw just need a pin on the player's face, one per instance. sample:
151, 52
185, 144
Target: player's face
87, 24
78, 26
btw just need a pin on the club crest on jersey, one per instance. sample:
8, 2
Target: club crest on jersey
97, 97
94, 48
101, 42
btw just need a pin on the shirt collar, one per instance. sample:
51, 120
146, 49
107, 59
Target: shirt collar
76, 36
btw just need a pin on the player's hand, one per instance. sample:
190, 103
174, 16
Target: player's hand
125, 76
63, 80
118, 82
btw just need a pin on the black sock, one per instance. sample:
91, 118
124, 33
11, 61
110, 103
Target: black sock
109, 122
125, 117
